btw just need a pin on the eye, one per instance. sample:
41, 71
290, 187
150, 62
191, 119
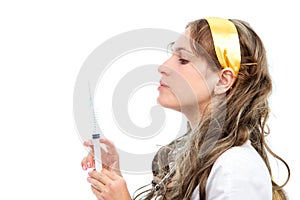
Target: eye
183, 61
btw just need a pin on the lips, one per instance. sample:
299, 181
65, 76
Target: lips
163, 84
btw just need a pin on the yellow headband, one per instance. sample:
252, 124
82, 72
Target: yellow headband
226, 42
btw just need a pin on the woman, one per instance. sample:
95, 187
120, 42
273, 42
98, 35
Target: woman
218, 78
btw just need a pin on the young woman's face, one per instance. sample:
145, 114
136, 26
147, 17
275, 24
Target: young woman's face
187, 81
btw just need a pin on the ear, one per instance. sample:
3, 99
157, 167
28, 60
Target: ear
227, 78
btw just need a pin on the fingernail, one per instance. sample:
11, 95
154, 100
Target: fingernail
83, 167
89, 173
88, 164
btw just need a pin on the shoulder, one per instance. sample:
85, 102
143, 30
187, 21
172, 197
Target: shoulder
239, 171
240, 158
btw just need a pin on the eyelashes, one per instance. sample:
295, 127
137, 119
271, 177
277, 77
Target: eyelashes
183, 61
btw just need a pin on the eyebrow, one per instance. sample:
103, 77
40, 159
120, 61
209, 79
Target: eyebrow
179, 49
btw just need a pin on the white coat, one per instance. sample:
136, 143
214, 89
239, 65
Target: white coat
238, 174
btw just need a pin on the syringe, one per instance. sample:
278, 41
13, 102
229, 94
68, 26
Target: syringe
97, 152
95, 136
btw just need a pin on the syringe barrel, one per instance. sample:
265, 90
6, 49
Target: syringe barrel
97, 152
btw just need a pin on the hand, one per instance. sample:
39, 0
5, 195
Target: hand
107, 185
110, 158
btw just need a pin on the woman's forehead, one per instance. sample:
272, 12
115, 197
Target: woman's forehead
183, 42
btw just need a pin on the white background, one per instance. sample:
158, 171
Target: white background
42, 47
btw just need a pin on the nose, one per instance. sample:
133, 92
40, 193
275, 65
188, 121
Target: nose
165, 68
162, 69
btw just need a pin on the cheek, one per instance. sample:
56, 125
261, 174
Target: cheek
195, 96
203, 94
196, 93
202, 85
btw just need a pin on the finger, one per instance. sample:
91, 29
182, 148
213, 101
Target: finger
90, 162
104, 159
110, 174
87, 162
109, 145
88, 143
97, 193
96, 184
110, 161
84, 164
100, 177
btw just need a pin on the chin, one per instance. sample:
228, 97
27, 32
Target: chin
168, 104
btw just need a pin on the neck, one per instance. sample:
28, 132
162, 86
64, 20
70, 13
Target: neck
193, 118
